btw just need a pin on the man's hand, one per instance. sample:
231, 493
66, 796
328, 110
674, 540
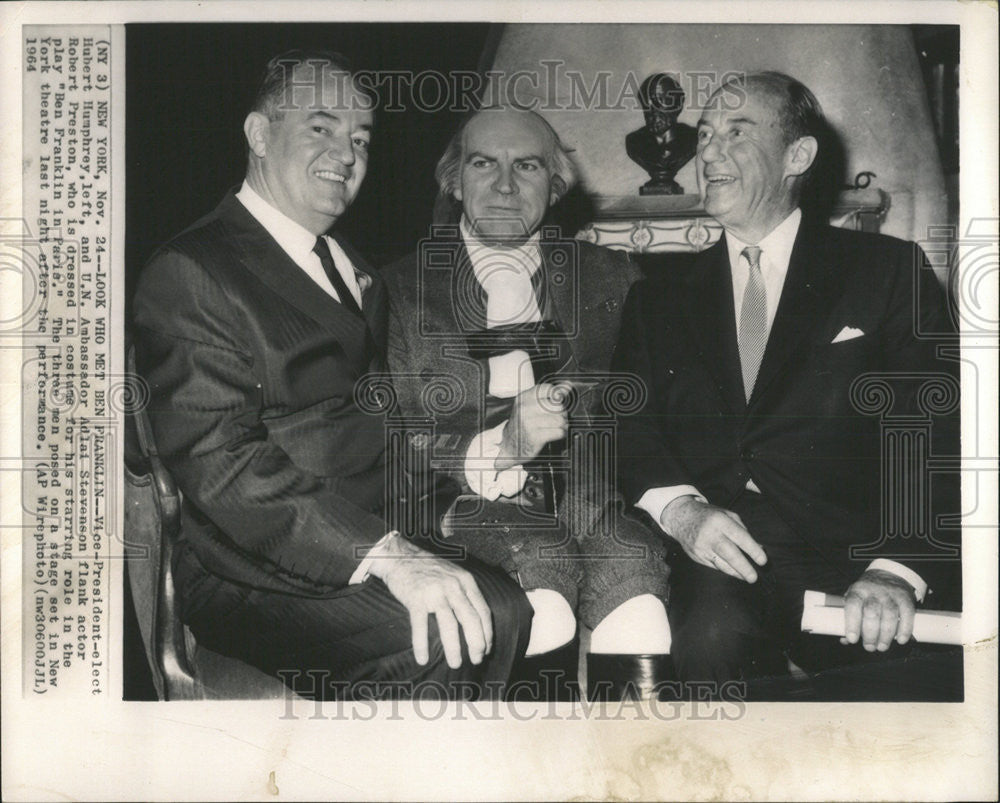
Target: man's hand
713, 536
426, 584
879, 606
537, 417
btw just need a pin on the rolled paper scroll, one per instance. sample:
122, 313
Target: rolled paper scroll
823, 614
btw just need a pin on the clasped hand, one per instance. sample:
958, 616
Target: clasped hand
538, 417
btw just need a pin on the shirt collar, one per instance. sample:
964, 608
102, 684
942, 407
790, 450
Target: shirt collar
483, 255
776, 246
294, 240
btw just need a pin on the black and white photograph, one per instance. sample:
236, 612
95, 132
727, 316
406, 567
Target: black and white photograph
560, 404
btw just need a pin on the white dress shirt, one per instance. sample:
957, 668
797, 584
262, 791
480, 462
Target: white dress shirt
775, 255
505, 274
298, 243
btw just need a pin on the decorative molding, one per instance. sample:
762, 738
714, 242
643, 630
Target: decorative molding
657, 224
646, 236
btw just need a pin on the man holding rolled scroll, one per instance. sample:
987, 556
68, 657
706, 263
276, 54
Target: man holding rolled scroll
754, 452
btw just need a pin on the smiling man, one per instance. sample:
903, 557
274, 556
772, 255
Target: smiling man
751, 452
520, 323
252, 328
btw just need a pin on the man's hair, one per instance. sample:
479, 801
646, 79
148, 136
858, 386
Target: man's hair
799, 112
273, 91
449, 167
799, 115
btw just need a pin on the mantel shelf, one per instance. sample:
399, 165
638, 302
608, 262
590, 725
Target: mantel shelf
656, 223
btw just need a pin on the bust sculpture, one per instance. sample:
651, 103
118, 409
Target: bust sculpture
662, 146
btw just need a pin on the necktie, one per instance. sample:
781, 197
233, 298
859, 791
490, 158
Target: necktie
753, 321
322, 250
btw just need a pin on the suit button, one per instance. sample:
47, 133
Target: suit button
746, 454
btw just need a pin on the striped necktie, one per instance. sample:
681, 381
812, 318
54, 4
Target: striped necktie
753, 321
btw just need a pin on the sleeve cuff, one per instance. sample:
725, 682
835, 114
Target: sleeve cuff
510, 374
361, 573
480, 471
655, 500
898, 569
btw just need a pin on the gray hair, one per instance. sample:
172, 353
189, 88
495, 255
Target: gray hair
449, 167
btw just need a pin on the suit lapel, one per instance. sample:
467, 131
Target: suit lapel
559, 291
452, 295
373, 300
712, 320
454, 301
467, 297
811, 286
265, 259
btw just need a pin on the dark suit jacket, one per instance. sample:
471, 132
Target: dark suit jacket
809, 447
436, 302
252, 372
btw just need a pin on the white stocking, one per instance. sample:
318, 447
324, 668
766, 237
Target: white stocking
553, 624
638, 626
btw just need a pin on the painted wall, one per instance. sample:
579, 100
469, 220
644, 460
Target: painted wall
866, 77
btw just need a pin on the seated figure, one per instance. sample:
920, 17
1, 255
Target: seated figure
523, 323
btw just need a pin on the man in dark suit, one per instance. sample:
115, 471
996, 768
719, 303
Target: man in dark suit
752, 452
253, 328
519, 324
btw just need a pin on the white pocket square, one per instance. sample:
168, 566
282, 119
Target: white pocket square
847, 333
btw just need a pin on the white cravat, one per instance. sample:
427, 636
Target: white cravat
505, 274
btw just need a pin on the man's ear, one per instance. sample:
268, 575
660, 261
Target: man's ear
457, 193
255, 128
557, 189
800, 155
